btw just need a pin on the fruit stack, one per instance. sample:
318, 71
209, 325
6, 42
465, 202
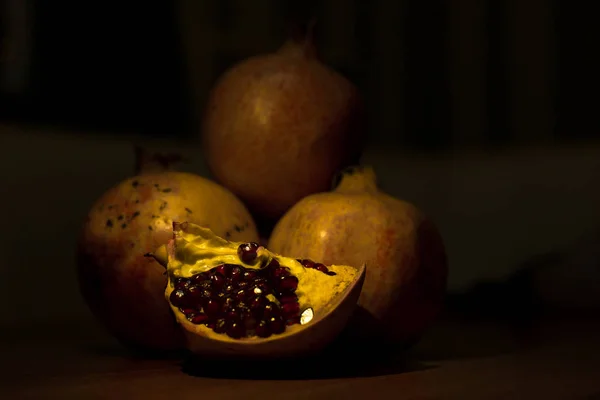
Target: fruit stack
170, 260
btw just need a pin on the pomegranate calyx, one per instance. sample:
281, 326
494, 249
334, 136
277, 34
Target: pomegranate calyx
356, 178
151, 162
240, 299
301, 42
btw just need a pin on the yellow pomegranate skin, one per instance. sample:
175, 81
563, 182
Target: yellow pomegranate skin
124, 289
403, 250
278, 127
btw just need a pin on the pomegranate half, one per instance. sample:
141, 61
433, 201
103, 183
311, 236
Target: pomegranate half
406, 280
239, 299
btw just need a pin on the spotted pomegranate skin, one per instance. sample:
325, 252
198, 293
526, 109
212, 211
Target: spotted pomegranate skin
124, 289
233, 300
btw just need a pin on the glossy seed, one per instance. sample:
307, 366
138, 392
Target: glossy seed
249, 275
276, 325
290, 309
320, 267
188, 311
287, 283
307, 263
220, 326
212, 308
218, 280
235, 275
235, 329
201, 277
258, 304
199, 319
177, 298
279, 272
223, 270
271, 310
247, 252
262, 329
181, 283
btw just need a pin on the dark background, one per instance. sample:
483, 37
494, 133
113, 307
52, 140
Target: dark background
122, 67
483, 113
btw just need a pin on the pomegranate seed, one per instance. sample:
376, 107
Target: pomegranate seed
201, 277
220, 326
195, 294
212, 308
235, 329
233, 313
276, 325
199, 319
227, 290
217, 280
279, 272
177, 298
288, 283
262, 329
290, 309
271, 310
247, 252
249, 275
307, 263
250, 323
243, 306
187, 311
242, 295
320, 267
227, 303
223, 270
207, 294
182, 283
258, 304
235, 274
261, 286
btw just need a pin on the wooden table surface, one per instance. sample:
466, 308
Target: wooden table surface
456, 360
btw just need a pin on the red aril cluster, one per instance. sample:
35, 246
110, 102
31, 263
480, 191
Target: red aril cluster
318, 266
233, 300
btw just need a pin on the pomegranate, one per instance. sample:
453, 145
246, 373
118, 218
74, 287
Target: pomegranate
406, 279
124, 289
278, 126
240, 299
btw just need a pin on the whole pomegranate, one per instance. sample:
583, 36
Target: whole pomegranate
124, 289
278, 126
404, 253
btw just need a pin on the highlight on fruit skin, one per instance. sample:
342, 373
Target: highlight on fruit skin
239, 299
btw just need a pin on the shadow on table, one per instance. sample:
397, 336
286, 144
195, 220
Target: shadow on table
340, 360
492, 318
